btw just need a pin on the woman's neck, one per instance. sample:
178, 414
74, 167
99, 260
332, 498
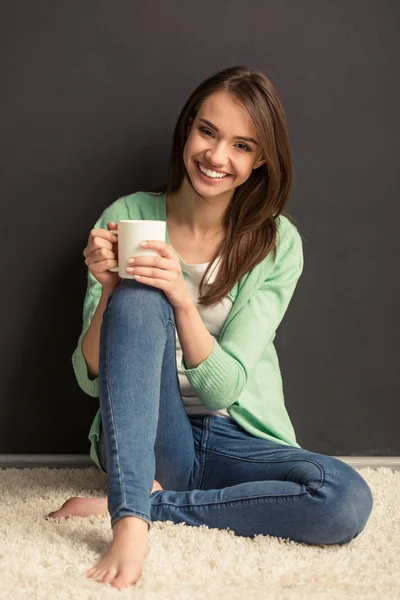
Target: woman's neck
199, 215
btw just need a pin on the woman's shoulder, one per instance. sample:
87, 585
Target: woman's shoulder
287, 230
289, 242
138, 205
144, 205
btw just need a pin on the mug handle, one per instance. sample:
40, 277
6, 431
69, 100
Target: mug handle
114, 269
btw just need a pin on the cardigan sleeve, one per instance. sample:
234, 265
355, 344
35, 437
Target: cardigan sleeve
221, 377
115, 212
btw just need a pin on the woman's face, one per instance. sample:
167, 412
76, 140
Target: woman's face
218, 146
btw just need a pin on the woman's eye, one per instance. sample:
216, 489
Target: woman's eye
205, 130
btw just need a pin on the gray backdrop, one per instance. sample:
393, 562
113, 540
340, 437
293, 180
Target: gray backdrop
90, 93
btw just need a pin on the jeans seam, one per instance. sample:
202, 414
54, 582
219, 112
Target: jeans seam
169, 322
274, 461
112, 417
257, 499
132, 513
203, 450
133, 510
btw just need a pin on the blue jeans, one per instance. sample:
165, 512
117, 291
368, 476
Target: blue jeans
213, 472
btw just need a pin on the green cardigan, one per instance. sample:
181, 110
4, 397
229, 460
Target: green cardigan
242, 372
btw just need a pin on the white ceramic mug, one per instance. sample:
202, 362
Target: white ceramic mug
130, 235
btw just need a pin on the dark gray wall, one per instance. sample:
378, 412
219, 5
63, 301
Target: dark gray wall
90, 93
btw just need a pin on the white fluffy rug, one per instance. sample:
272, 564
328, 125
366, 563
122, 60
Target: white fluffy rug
48, 559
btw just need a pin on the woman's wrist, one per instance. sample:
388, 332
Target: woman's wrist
107, 290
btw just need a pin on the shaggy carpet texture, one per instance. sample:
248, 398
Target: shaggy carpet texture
48, 559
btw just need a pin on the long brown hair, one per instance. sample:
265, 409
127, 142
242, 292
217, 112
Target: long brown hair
250, 219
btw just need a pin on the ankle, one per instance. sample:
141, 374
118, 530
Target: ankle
132, 523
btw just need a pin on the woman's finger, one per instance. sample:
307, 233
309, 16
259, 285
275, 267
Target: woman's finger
152, 272
162, 247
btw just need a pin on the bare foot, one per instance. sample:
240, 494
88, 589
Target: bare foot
81, 507
122, 563
85, 507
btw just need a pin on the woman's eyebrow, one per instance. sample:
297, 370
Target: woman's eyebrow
235, 137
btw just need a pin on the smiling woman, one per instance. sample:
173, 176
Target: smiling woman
184, 374
230, 170
221, 156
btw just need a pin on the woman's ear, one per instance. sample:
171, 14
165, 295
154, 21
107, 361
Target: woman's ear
259, 162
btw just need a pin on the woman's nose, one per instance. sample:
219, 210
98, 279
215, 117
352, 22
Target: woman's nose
217, 158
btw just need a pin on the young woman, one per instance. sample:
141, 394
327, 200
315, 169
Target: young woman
192, 425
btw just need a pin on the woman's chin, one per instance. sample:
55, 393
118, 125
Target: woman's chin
205, 188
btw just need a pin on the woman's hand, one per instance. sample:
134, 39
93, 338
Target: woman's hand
101, 254
163, 272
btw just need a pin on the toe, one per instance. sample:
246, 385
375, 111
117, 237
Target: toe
120, 583
127, 577
110, 575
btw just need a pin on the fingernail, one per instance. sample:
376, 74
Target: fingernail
114, 237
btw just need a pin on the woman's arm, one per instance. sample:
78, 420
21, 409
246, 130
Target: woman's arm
222, 375
195, 340
91, 339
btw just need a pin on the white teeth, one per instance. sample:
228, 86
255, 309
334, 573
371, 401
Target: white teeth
211, 173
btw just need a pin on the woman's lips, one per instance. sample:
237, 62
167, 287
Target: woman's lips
210, 179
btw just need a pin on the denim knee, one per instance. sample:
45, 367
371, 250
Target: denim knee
137, 298
354, 505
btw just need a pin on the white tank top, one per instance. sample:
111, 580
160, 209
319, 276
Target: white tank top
213, 318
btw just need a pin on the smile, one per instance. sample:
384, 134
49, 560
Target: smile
211, 175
